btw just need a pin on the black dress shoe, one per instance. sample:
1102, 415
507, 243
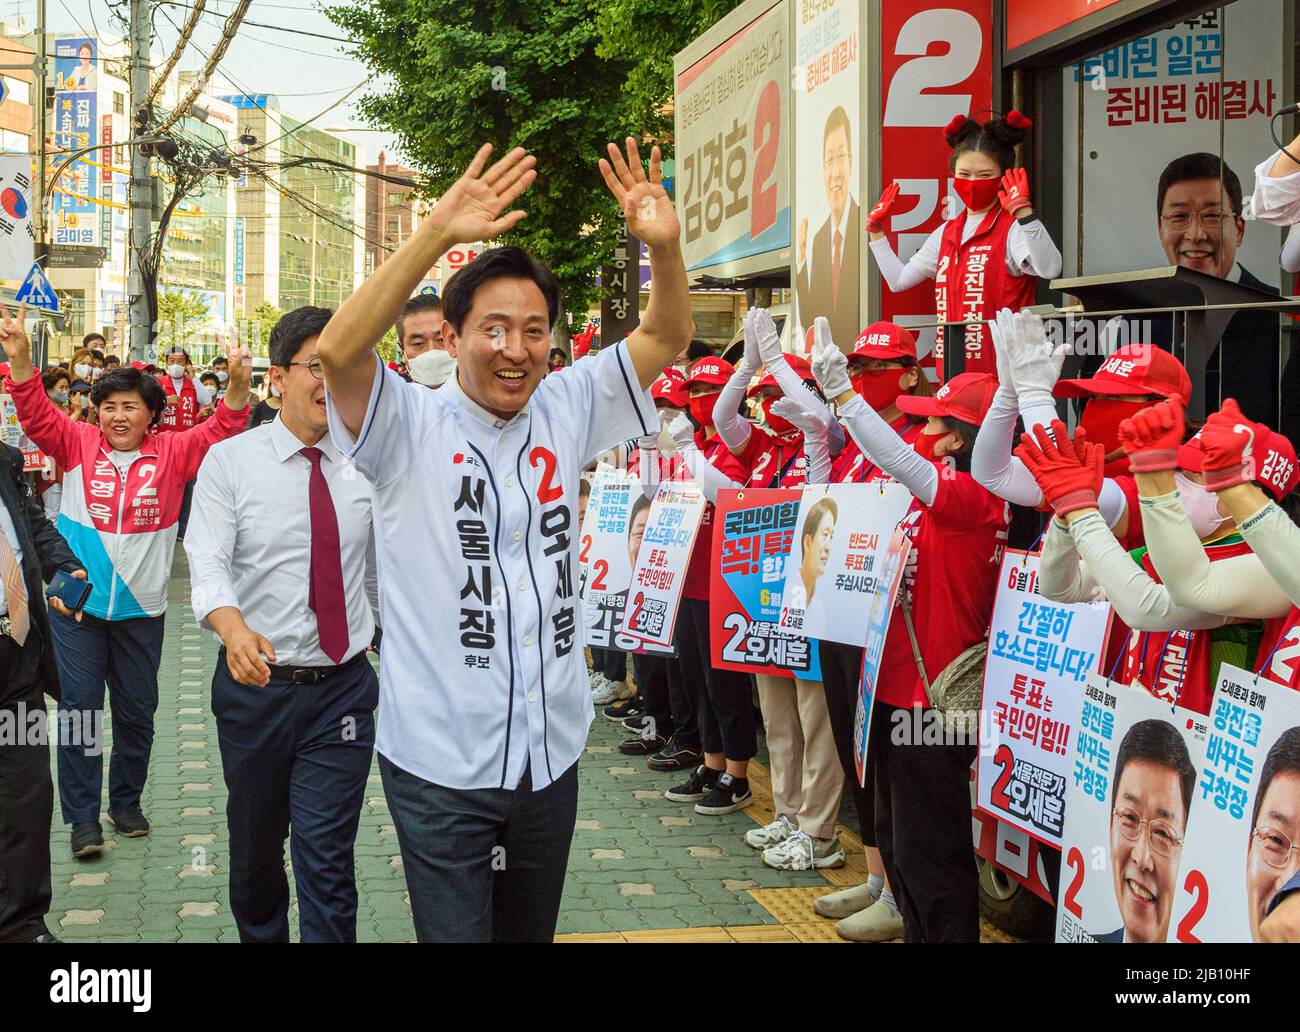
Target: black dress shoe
130, 823
87, 839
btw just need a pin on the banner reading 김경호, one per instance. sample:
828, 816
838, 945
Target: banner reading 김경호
1040, 654
752, 532
1134, 767
659, 572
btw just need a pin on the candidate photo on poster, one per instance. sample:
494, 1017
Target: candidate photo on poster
1154, 780
815, 538
826, 281
1273, 853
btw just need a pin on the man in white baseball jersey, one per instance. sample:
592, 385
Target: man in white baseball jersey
484, 703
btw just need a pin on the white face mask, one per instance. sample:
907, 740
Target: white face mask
82, 370
176, 371
432, 368
1202, 506
222, 376
275, 392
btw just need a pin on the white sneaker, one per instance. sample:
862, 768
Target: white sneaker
770, 834
800, 852
845, 902
878, 923
597, 680
611, 691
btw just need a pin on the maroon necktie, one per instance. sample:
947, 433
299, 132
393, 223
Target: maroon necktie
325, 595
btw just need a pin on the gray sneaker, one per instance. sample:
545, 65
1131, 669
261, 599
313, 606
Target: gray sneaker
801, 852
611, 691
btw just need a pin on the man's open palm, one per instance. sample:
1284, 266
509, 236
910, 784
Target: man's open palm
472, 209
649, 213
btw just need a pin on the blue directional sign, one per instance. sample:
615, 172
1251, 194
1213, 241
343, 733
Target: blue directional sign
37, 292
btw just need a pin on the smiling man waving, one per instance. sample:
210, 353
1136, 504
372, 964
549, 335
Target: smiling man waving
484, 703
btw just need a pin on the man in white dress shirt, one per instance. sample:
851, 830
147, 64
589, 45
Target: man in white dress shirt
485, 703
282, 564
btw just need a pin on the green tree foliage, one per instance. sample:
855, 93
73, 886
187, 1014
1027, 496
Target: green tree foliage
182, 318
260, 324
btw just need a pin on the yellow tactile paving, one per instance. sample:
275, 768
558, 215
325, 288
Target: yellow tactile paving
680, 935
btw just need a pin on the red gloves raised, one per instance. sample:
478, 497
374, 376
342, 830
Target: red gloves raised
877, 215
1014, 194
1228, 440
1069, 473
1152, 437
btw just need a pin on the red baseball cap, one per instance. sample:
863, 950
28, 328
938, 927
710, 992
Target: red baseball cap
1133, 369
137, 364
884, 340
670, 388
1275, 462
966, 396
710, 371
801, 369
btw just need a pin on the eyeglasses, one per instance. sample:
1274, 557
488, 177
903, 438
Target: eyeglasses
1161, 835
1274, 847
313, 367
1208, 219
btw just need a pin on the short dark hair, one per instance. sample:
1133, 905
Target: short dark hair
498, 263
294, 327
1200, 165
558, 351
52, 376
584, 487
1156, 741
698, 349
641, 504
219, 358
417, 304
816, 513
177, 349
112, 360
85, 341
96, 353
207, 375
838, 119
127, 380
1283, 758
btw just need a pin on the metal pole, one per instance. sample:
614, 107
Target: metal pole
38, 69
140, 189
311, 277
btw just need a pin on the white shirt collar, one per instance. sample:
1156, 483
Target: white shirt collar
453, 392
287, 445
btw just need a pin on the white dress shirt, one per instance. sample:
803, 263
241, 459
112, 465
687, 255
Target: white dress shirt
481, 672
249, 541
201, 394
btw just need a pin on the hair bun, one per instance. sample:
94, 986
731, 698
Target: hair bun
957, 122
1018, 121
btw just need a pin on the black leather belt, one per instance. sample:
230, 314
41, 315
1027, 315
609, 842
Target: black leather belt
312, 674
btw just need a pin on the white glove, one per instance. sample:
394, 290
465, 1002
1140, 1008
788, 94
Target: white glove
683, 433
1006, 377
1035, 363
648, 443
805, 420
829, 364
816, 429
759, 325
751, 361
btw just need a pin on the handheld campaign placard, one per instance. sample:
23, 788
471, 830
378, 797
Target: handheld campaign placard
752, 532
1132, 779
659, 574
841, 535
884, 598
1243, 838
1040, 655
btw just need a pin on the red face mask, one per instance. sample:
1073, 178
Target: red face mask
1101, 419
702, 409
977, 194
878, 387
776, 424
925, 445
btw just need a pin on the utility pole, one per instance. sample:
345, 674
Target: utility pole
38, 74
141, 187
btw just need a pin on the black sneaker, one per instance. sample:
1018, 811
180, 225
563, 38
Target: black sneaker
130, 823
699, 785
673, 757
623, 710
727, 796
638, 724
87, 839
642, 746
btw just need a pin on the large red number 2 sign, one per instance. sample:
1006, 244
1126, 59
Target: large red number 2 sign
767, 140
1197, 886
547, 490
1074, 861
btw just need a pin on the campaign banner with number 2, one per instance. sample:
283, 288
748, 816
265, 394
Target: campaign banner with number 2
655, 590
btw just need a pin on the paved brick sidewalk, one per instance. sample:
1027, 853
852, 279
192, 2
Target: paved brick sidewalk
640, 867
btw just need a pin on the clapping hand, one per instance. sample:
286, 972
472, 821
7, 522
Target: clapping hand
472, 209
649, 212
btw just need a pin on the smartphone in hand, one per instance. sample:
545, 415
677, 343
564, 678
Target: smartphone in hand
72, 592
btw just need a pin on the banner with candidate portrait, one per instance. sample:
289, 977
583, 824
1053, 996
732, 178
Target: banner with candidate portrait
753, 529
1039, 658
659, 572
841, 535
75, 195
1133, 771
884, 597
1243, 839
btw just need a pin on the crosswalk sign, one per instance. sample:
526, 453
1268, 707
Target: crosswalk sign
37, 292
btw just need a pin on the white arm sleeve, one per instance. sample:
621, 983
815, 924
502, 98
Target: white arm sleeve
992, 464
1276, 540
706, 474
816, 450
1062, 575
1137, 599
919, 268
888, 451
732, 427
649, 463
1031, 250
1275, 200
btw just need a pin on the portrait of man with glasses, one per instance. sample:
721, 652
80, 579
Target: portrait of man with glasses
1154, 780
1273, 854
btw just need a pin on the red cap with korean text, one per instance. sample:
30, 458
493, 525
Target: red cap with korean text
1275, 461
1133, 369
709, 371
885, 340
801, 369
670, 388
966, 396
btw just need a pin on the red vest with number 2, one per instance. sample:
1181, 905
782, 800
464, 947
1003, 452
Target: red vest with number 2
1279, 651
972, 282
184, 415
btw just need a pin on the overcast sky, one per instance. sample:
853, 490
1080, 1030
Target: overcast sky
308, 74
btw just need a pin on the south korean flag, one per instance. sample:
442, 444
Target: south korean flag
16, 240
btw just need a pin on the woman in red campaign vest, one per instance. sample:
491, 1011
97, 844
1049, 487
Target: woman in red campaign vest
958, 531
990, 254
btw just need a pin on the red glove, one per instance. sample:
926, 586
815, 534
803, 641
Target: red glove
1151, 438
877, 215
1014, 194
1228, 439
1068, 472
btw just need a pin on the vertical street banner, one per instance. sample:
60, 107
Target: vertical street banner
827, 81
884, 597
1241, 845
1132, 779
753, 529
17, 244
936, 61
1039, 658
659, 573
841, 536
620, 309
76, 73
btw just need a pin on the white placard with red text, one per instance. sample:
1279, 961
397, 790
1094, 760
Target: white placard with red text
655, 589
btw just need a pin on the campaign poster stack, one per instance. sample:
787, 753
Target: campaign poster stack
1124, 828
753, 529
1040, 655
1241, 844
660, 571
841, 536
883, 600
